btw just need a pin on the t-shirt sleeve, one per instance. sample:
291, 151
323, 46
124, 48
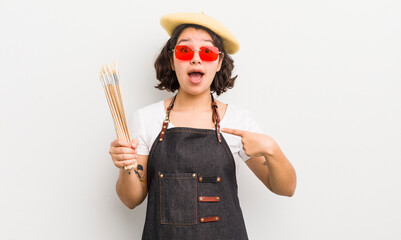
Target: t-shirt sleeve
138, 132
252, 126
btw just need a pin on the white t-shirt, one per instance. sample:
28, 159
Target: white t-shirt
147, 123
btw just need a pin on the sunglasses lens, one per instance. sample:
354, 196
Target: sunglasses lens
209, 53
206, 53
183, 52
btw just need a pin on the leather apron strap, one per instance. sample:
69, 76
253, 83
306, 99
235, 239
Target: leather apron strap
215, 119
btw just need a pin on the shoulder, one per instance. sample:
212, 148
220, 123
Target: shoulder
149, 116
151, 109
146, 124
239, 111
238, 114
240, 118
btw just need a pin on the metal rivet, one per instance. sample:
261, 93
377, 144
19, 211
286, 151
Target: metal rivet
161, 139
217, 198
162, 132
218, 179
217, 218
202, 220
200, 179
200, 199
194, 175
164, 126
161, 175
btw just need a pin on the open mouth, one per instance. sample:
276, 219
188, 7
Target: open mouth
195, 76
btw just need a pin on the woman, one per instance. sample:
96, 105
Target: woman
186, 163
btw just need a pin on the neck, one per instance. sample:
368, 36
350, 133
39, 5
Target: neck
185, 101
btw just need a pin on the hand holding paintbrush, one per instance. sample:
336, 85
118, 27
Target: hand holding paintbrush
110, 78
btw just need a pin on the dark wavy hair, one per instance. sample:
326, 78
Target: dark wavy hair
167, 77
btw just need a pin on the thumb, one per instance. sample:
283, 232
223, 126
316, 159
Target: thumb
134, 143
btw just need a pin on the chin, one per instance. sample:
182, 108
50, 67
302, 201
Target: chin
195, 91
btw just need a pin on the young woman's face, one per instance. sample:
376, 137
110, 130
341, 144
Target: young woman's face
195, 75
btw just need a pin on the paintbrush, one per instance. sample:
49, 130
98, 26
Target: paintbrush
110, 79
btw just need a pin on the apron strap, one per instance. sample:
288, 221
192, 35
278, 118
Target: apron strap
215, 118
167, 119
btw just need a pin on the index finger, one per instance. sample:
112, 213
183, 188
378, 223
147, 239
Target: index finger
233, 131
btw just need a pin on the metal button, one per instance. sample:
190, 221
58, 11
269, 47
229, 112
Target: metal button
161, 175
162, 132
194, 175
164, 126
200, 179
217, 198
202, 219
217, 218
218, 179
200, 199
160, 139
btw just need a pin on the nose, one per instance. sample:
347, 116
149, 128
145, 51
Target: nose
196, 59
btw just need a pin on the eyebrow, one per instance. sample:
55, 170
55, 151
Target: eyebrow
183, 40
188, 40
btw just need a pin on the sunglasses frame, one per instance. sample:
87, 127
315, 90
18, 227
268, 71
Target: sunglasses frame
197, 50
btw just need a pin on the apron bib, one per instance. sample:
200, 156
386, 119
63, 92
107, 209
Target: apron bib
192, 186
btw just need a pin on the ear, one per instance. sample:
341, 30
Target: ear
220, 62
172, 64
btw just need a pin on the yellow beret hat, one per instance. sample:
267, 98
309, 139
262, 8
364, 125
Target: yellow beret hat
170, 21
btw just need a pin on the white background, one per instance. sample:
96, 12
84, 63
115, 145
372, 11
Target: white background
322, 77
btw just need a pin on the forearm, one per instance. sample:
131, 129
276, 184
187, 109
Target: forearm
279, 175
282, 177
130, 189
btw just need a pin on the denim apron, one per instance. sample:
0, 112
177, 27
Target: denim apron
192, 186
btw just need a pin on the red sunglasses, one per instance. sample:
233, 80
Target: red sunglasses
206, 53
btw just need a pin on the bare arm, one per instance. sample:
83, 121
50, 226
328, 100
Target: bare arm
268, 162
276, 172
131, 184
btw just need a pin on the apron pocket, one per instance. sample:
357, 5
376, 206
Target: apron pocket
178, 198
